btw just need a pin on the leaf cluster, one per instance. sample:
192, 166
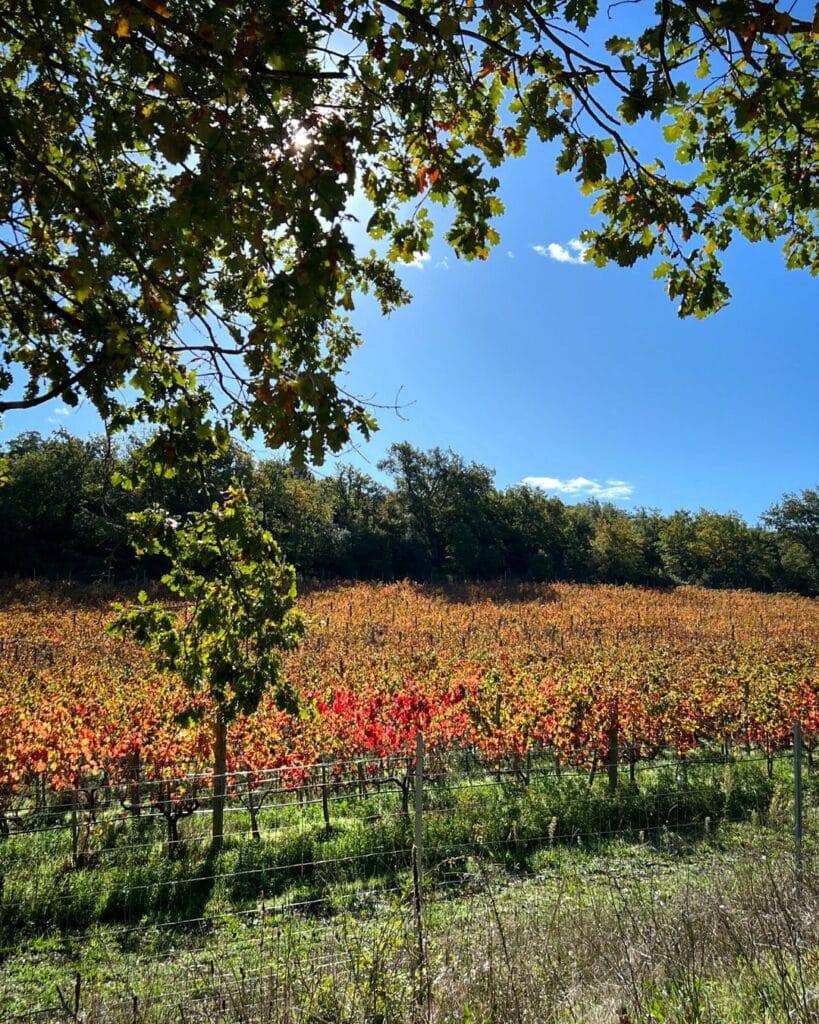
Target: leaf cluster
236, 611
177, 180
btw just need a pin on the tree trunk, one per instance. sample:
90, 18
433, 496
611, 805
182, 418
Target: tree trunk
253, 808
219, 771
173, 833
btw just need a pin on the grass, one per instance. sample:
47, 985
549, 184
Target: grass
538, 898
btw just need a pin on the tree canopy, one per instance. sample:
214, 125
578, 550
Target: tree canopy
443, 519
176, 242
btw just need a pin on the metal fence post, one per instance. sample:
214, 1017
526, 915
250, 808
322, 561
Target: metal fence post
421, 991
797, 799
419, 804
325, 800
75, 825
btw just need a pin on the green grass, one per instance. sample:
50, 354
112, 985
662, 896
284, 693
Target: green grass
303, 895
131, 878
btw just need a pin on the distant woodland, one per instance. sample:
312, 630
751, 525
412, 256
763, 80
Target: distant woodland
443, 518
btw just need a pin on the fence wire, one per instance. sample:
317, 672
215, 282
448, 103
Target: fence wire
110, 914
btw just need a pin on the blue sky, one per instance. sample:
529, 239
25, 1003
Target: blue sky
560, 371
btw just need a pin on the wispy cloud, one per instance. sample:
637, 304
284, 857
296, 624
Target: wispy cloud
573, 252
442, 264
582, 487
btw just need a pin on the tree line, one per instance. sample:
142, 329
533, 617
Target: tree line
62, 515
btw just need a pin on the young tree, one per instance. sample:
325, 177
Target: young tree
224, 640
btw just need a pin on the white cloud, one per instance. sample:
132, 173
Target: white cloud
582, 487
442, 264
510, 254
573, 252
61, 410
419, 259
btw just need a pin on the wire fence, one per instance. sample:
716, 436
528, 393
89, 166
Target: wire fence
118, 905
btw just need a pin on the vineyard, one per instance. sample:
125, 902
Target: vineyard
592, 675
562, 728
